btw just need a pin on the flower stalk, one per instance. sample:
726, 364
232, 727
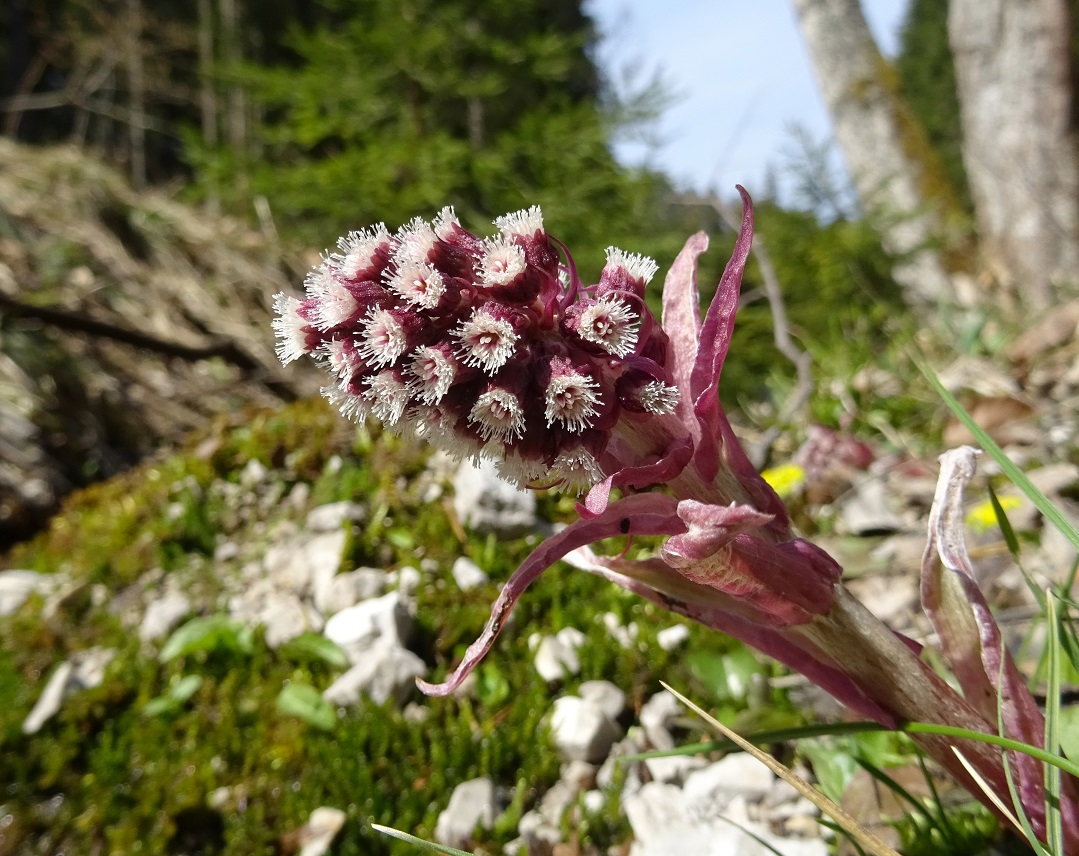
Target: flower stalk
494, 348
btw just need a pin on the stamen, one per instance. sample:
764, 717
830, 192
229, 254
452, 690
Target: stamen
521, 471
499, 415
357, 262
635, 265
418, 283
352, 407
487, 341
417, 238
342, 358
335, 305
445, 221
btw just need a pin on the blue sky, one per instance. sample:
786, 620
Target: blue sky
741, 76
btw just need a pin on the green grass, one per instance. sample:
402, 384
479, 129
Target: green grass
106, 776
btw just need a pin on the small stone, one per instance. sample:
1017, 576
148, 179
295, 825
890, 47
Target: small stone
708, 791
661, 710
386, 672
301, 565
315, 837
340, 591
85, 670
537, 833
355, 629
162, 615
467, 574
673, 768
606, 696
17, 586
253, 474
554, 661
285, 618
471, 804
594, 801
672, 637
485, 503
571, 637
408, 581
626, 635
331, 517
581, 731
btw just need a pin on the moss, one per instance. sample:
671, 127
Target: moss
103, 776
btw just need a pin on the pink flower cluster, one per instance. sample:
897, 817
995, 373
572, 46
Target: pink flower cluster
486, 347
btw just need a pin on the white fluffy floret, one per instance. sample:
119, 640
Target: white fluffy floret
577, 468
499, 415
637, 266
486, 341
503, 261
357, 250
659, 398
571, 399
524, 223
288, 327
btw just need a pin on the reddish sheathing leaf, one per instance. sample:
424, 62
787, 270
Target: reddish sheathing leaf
661, 584
681, 322
718, 446
972, 643
640, 514
787, 583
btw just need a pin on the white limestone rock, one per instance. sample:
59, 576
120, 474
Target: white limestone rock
337, 592
162, 615
357, 628
83, 671
485, 503
554, 661
606, 696
316, 836
581, 730
672, 637
17, 586
467, 574
385, 672
331, 517
473, 803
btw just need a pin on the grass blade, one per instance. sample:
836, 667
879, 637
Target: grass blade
419, 842
1004, 742
1004, 524
1054, 828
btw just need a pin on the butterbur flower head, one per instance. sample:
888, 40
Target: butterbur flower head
494, 347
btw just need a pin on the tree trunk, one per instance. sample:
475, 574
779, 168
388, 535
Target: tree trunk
136, 94
207, 95
236, 124
1020, 147
881, 142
